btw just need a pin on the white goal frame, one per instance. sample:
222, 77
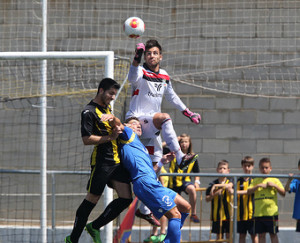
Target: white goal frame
44, 56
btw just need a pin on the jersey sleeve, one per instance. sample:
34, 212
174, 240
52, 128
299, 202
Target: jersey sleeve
134, 74
87, 123
294, 185
208, 189
126, 134
196, 168
173, 98
278, 182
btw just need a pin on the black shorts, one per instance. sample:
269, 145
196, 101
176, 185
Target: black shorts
245, 226
102, 176
298, 225
266, 225
183, 187
216, 227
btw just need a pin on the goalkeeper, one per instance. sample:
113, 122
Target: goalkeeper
149, 84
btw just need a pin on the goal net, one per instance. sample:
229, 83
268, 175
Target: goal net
71, 84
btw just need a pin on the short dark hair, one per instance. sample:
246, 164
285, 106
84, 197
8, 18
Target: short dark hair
223, 162
108, 83
247, 159
152, 43
131, 118
264, 160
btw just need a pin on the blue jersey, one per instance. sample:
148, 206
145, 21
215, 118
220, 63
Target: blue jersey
134, 155
295, 187
146, 187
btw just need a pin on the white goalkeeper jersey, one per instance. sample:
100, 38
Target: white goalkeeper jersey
148, 89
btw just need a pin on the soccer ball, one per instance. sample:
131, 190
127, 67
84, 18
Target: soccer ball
134, 27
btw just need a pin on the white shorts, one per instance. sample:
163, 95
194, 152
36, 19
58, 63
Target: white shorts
154, 147
151, 137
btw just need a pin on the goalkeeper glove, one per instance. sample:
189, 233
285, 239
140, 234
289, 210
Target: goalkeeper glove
140, 48
195, 117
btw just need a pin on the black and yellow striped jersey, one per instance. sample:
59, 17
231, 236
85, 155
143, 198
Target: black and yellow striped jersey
176, 181
220, 205
245, 202
106, 153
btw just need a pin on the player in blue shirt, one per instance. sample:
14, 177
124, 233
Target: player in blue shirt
135, 158
293, 185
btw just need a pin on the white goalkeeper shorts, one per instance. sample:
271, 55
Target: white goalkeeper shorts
151, 137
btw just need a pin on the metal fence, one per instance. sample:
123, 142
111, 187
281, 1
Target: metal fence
57, 221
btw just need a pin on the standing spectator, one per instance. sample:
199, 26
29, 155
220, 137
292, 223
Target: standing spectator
219, 194
245, 203
265, 202
294, 186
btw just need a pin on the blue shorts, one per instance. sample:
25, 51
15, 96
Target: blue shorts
157, 198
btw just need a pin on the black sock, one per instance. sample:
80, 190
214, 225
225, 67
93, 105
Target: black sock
111, 212
82, 215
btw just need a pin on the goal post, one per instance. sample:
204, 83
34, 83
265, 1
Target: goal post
107, 55
87, 64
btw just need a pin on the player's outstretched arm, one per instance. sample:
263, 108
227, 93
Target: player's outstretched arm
194, 117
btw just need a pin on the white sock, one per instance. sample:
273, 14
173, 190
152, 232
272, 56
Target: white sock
144, 209
170, 137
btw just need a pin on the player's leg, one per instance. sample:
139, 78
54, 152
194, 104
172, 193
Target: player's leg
114, 208
119, 180
163, 227
184, 208
174, 226
163, 122
95, 187
81, 218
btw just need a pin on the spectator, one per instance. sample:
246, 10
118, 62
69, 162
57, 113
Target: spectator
294, 186
265, 202
184, 183
219, 194
245, 203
